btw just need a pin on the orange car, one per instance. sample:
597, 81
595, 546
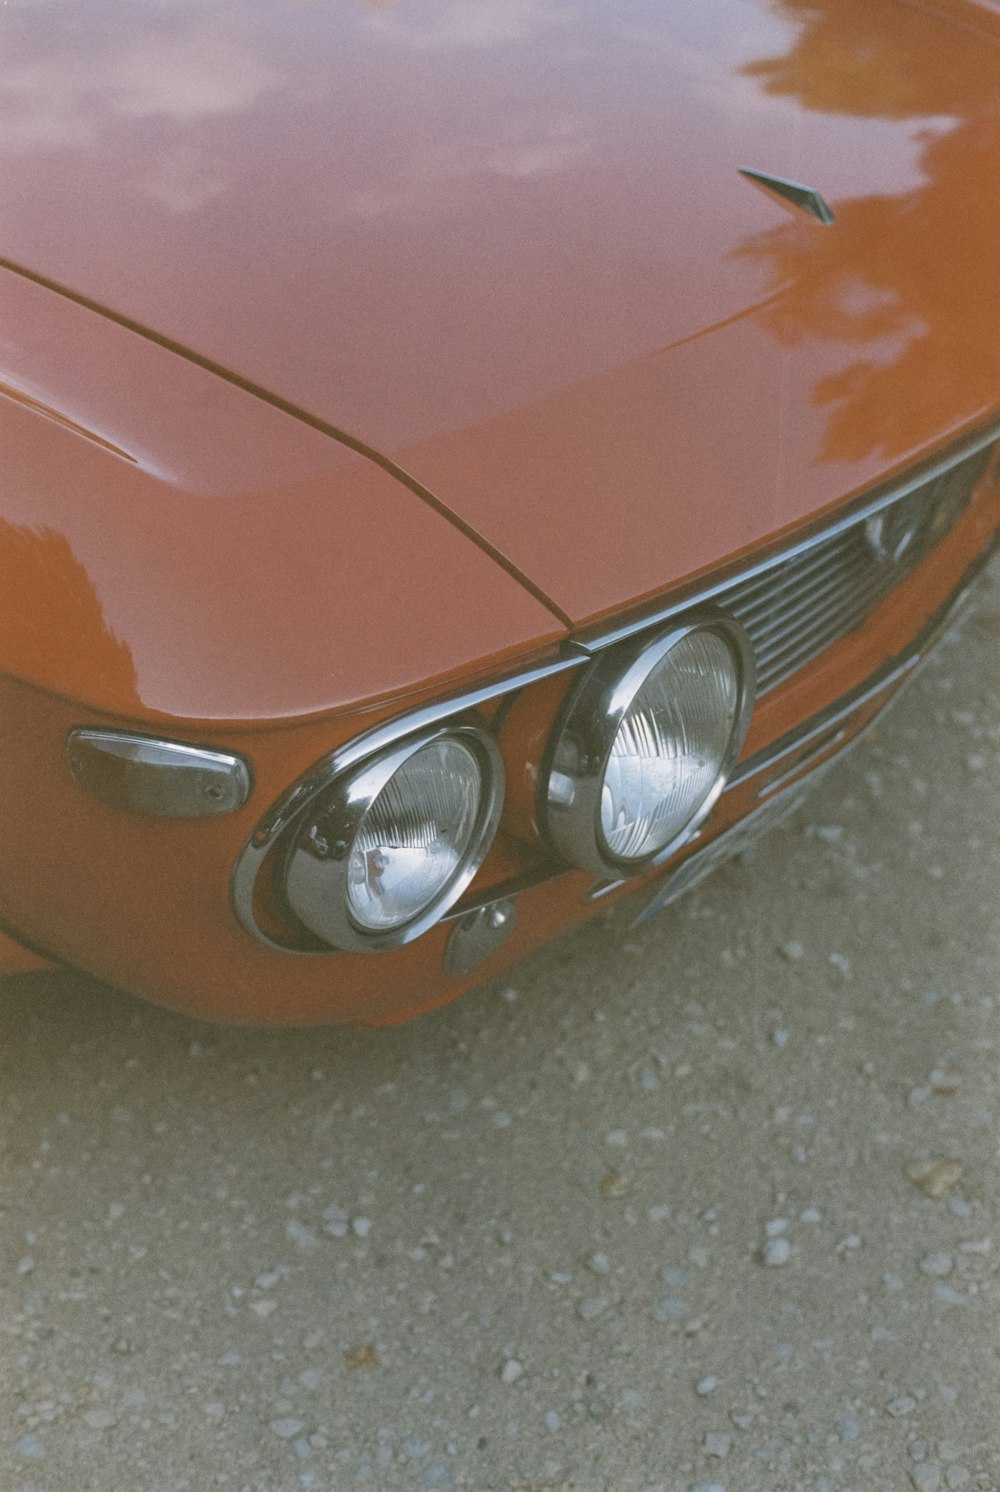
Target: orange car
463, 462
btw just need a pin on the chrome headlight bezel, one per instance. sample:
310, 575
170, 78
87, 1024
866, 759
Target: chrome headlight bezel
315, 871
580, 746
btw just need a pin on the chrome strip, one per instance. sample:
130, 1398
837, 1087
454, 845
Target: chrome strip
819, 724
590, 643
504, 890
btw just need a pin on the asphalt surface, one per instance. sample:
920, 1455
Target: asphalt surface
709, 1204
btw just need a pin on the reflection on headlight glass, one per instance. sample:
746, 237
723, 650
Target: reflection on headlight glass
670, 746
415, 835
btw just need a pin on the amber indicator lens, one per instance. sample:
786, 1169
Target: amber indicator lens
669, 748
415, 836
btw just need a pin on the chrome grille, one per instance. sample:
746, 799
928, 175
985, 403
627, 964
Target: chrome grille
801, 605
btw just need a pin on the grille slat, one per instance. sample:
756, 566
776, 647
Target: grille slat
764, 621
805, 603
805, 644
789, 575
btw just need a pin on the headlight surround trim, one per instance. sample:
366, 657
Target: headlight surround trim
582, 740
315, 875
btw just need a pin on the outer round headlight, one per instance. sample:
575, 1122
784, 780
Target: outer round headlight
646, 744
389, 847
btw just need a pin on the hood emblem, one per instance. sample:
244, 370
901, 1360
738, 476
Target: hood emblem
805, 197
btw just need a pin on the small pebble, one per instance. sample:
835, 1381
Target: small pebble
336, 1222
511, 1371
776, 1226
777, 1251
551, 1420
937, 1264
957, 1476
286, 1429
792, 951
926, 1477
718, 1444
901, 1406
935, 1178
779, 1037
706, 1385
598, 1262
361, 1226
29, 1448
810, 1215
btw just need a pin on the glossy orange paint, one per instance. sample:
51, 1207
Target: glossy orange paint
172, 547
425, 335
144, 903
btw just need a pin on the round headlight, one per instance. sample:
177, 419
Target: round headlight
387, 849
646, 744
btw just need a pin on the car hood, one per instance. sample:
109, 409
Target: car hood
506, 244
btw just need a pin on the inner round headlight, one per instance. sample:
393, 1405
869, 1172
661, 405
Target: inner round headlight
414, 836
386, 850
646, 745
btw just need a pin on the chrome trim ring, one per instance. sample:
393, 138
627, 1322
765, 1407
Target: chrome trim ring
581, 744
316, 869
284, 813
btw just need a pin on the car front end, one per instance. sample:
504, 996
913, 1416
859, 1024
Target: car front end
517, 514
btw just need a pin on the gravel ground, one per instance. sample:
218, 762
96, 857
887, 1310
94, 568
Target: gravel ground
709, 1204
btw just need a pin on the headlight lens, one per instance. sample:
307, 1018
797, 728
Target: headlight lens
415, 835
387, 849
646, 746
